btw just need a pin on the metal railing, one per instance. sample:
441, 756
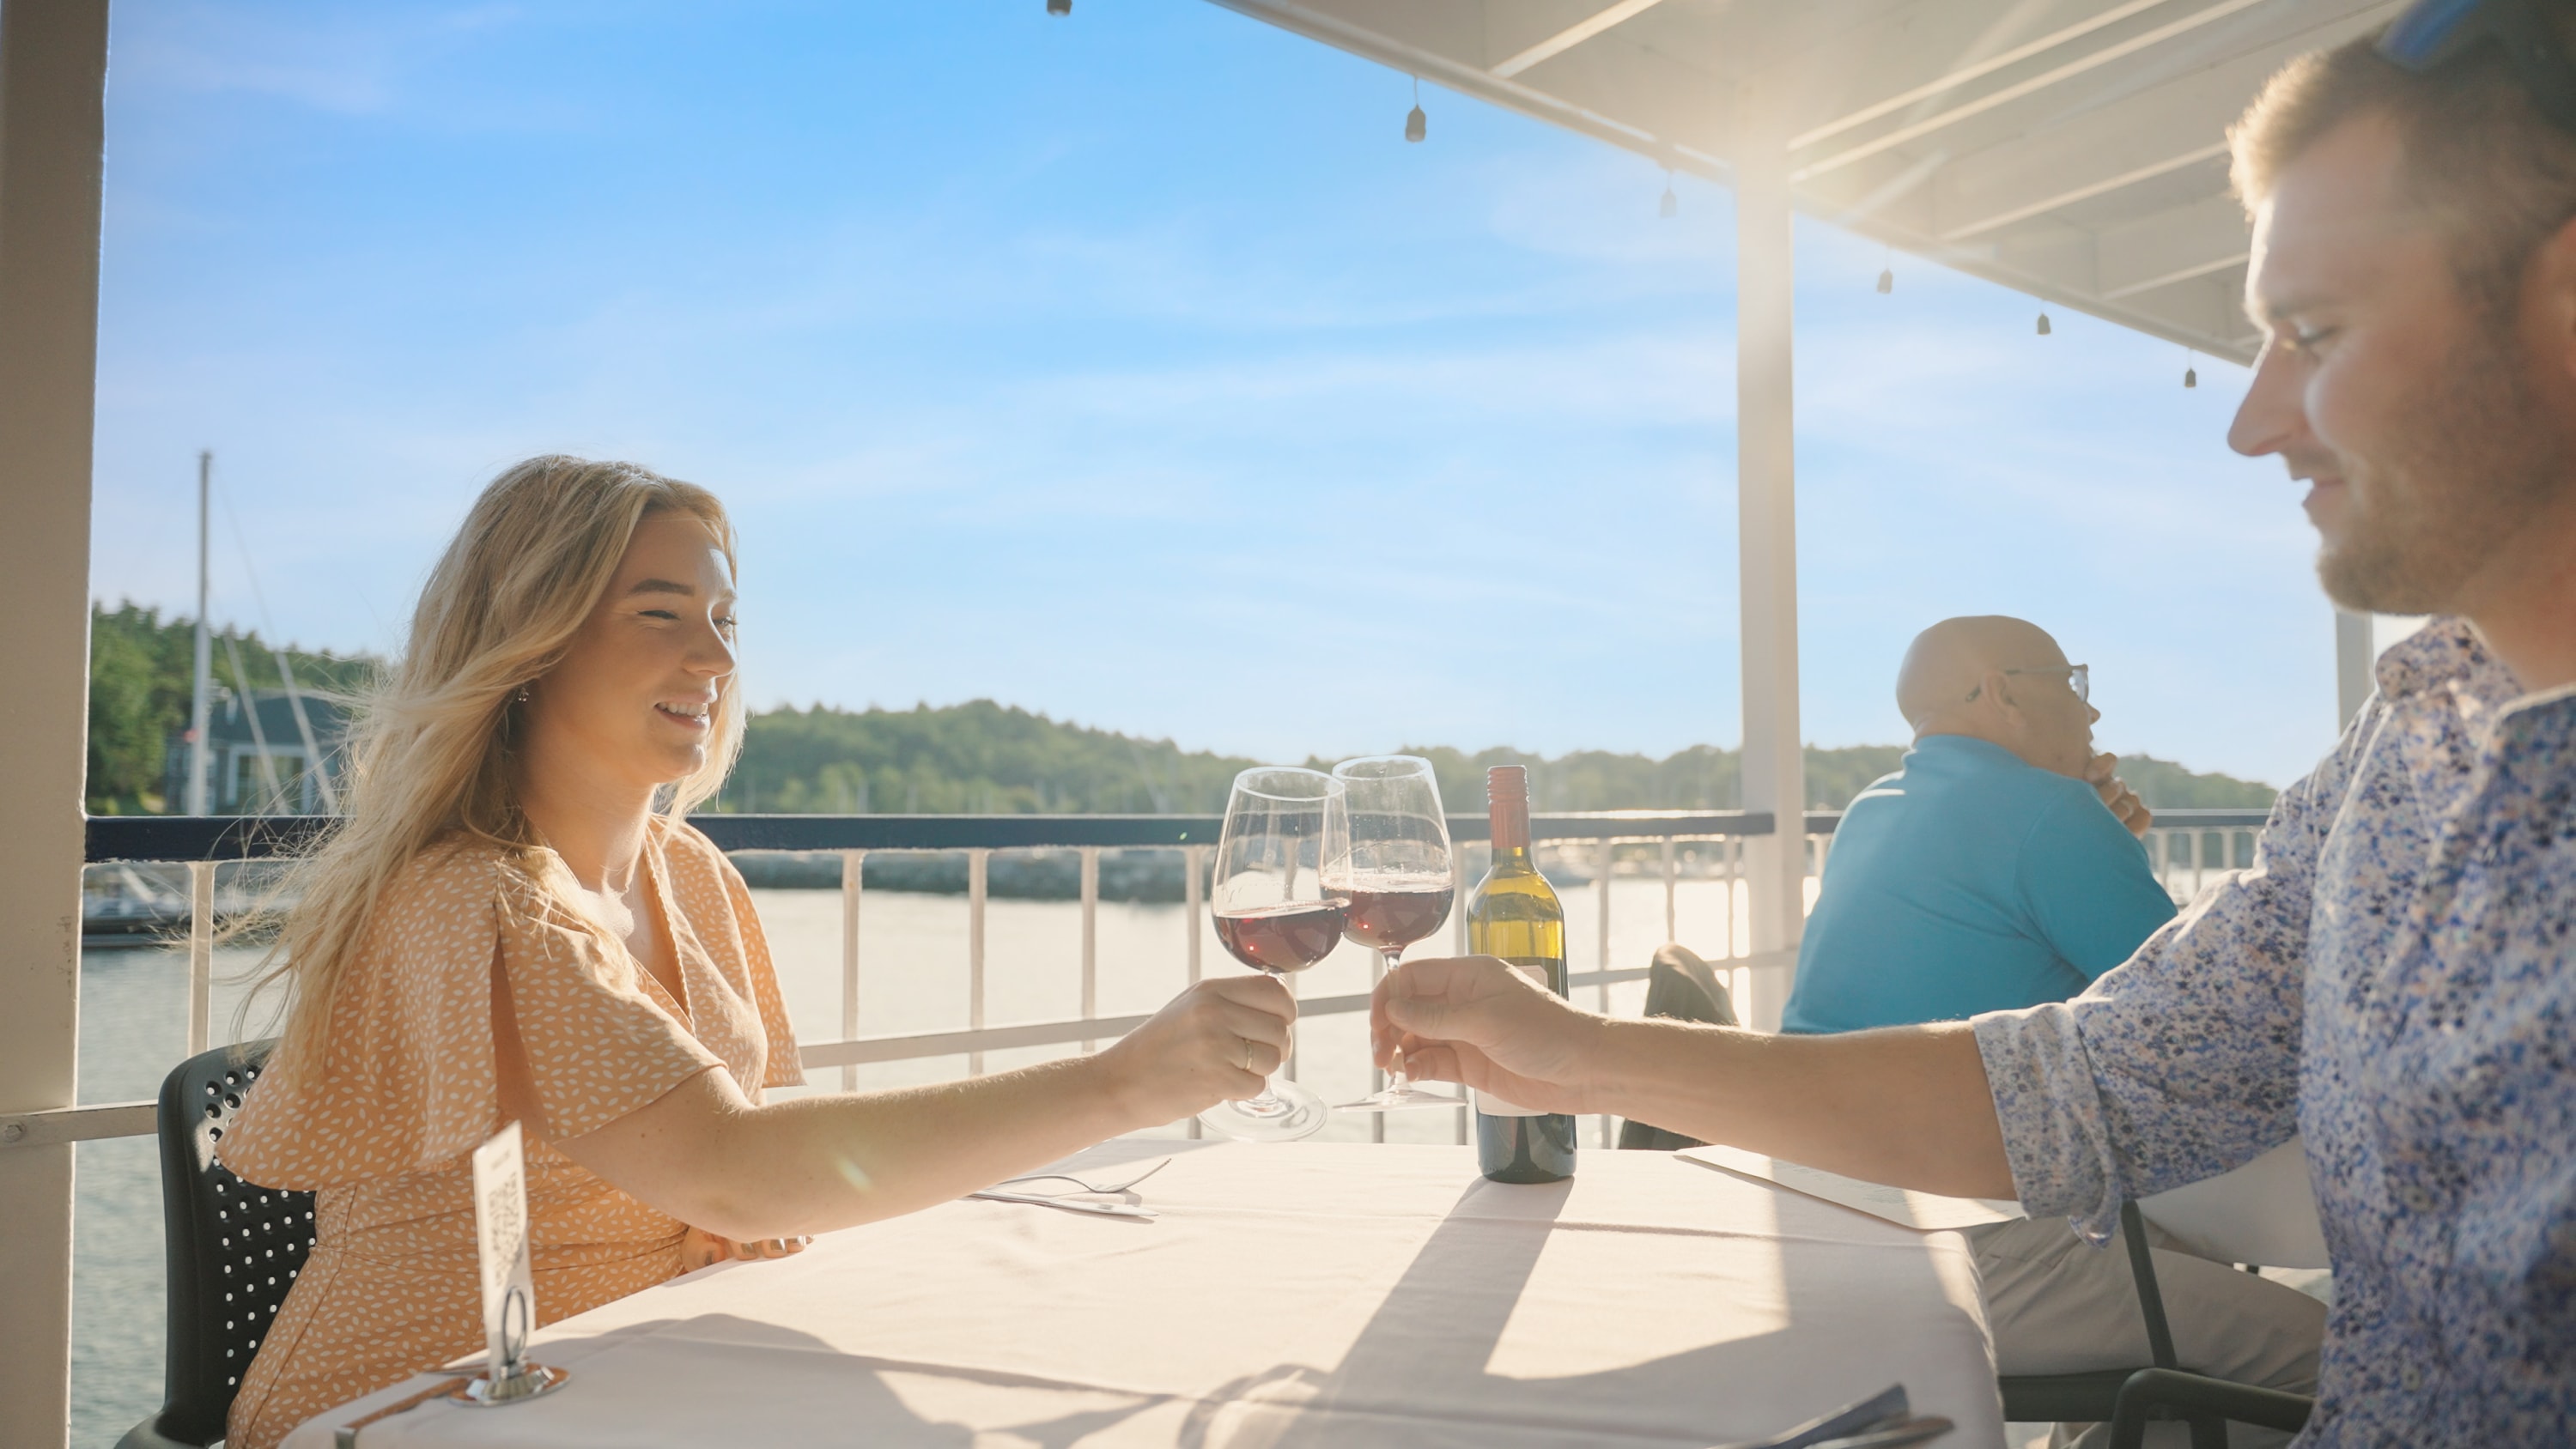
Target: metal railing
2186, 847
204, 842
2198, 845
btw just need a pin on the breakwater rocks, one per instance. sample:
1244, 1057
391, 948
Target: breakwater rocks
1032, 875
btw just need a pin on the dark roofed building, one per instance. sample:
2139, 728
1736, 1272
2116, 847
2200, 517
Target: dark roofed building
236, 784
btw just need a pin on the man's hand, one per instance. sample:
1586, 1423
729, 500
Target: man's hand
1475, 1020
2124, 802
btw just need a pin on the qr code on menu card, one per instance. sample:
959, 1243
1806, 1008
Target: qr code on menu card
501, 1209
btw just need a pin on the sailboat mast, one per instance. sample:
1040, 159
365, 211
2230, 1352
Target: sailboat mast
197, 721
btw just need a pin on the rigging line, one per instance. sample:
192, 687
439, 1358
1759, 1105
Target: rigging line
258, 736
315, 765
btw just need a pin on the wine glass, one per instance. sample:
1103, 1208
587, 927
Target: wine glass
1395, 880
1274, 914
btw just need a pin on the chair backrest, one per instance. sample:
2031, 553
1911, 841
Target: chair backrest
1681, 986
2264, 1212
234, 1249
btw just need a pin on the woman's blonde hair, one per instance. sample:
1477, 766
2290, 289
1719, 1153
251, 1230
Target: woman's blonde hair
431, 757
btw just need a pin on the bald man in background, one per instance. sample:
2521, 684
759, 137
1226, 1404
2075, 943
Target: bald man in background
2000, 868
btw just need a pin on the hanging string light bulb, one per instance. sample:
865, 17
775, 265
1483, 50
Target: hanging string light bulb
1059, 7
2191, 374
1671, 205
1416, 124
1887, 274
2043, 324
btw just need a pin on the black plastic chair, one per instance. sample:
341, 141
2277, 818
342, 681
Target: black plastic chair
234, 1250
1681, 987
2151, 1393
2131, 1397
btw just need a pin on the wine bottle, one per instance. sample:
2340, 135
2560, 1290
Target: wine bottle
1514, 914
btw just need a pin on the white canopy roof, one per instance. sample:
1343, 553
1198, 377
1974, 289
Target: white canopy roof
2071, 149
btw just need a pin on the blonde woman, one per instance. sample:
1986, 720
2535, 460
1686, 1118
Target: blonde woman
506, 928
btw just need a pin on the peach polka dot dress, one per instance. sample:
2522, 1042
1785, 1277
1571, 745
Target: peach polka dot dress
381, 1121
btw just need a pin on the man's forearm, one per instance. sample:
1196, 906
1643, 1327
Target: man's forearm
1905, 1105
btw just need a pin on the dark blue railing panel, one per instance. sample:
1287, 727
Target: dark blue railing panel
2212, 819
199, 837
257, 837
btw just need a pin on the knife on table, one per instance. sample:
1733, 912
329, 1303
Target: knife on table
1071, 1205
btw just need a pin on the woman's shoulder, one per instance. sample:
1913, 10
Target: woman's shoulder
689, 851
462, 882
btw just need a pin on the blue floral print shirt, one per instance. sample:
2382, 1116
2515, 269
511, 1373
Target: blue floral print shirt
2395, 981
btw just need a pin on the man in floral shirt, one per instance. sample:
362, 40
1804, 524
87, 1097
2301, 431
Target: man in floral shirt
2395, 979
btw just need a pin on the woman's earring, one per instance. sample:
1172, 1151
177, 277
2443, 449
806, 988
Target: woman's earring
523, 694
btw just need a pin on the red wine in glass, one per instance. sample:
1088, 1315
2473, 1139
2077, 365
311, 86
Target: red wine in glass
1392, 919
1396, 881
1292, 937
1274, 913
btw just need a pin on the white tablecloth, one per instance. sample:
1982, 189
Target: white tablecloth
1310, 1294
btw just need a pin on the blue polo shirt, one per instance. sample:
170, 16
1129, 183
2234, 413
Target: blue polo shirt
1969, 881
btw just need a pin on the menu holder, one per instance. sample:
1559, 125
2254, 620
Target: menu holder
509, 1285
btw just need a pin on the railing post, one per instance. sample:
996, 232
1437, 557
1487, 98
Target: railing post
1459, 894
1731, 870
1601, 998
1458, 914
853, 881
1739, 979
1193, 891
1377, 1074
1672, 883
1193, 878
1090, 939
53, 74
2355, 659
201, 953
978, 864
1601, 951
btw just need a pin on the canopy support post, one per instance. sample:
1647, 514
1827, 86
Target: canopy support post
2354, 661
1767, 564
53, 73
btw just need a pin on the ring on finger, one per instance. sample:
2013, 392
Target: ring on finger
1247, 1054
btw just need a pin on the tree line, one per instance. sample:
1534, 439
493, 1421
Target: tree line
979, 757
141, 678
987, 758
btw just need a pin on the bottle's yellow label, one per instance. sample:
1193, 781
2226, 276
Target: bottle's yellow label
1515, 915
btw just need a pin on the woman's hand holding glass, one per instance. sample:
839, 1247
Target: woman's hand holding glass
1215, 1042
1274, 913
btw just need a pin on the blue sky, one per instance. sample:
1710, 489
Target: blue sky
1128, 367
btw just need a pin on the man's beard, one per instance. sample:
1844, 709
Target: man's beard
2469, 464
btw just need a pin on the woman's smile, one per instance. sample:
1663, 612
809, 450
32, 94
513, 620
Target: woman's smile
689, 714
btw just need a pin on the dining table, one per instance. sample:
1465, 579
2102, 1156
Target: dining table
1306, 1294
